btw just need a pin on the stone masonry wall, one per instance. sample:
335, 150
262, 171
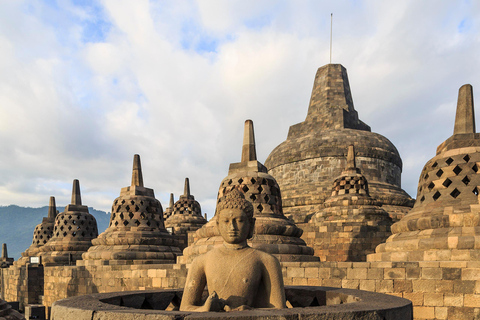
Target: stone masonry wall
438, 290
63, 282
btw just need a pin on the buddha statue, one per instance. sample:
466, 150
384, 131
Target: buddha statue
238, 277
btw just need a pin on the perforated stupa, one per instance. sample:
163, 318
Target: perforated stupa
73, 232
136, 233
274, 233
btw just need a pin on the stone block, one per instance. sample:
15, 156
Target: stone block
453, 300
423, 312
471, 300
433, 299
384, 286
294, 272
431, 273
394, 273
461, 286
402, 286
441, 313
470, 274
375, 274
423, 285
367, 285
357, 273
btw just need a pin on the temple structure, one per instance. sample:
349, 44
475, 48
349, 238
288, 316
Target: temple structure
274, 233
42, 233
73, 232
7, 313
314, 153
351, 224
5, 261
444, 224
136, 233
186, 217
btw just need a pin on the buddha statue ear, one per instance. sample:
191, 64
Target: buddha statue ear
252, 228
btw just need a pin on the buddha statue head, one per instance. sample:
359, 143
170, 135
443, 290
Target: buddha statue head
235, 219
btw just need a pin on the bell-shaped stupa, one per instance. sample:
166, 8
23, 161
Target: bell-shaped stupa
274, 233
186, 217
444, 224
73, 232
314, 153
42, 233
136, 233
352, 223
5, 261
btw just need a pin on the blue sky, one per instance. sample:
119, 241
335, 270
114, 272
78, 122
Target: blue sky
84, 85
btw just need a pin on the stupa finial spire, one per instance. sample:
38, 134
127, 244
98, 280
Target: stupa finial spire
465, 116
52, 208
4, 251
137, 176
76, 197
172, 202
186, 189
351, 157
249, 152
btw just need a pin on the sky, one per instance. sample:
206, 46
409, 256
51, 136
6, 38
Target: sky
85, 85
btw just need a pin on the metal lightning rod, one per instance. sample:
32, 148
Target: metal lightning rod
331, 27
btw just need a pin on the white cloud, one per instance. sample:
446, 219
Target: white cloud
84, 88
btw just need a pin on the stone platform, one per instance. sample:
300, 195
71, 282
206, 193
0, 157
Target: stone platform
307, 302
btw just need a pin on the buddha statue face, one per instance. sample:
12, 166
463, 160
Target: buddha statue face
234, 225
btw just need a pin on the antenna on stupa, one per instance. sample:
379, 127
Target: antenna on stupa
137, 177
331, 28
465, 116
249, 152
76, 197
186, 189
52, 208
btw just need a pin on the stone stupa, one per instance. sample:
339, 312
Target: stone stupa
73, 232
186, 216
42, 233
8, 313
136, 233
169, 210
274, 233
444, 224
351, 224
314, 153
5, 261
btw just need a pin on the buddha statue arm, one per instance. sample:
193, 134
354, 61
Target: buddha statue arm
273, 280
194, 286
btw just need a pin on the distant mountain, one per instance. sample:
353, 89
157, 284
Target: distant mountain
17, 225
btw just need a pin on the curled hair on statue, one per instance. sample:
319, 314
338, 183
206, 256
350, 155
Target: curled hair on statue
235, 199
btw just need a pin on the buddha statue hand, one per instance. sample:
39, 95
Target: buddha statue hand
214, 303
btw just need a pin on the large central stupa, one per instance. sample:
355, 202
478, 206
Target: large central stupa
314, 153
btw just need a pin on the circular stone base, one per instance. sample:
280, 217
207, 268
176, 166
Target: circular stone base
307, 302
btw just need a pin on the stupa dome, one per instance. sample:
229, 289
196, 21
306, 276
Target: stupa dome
315, 150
